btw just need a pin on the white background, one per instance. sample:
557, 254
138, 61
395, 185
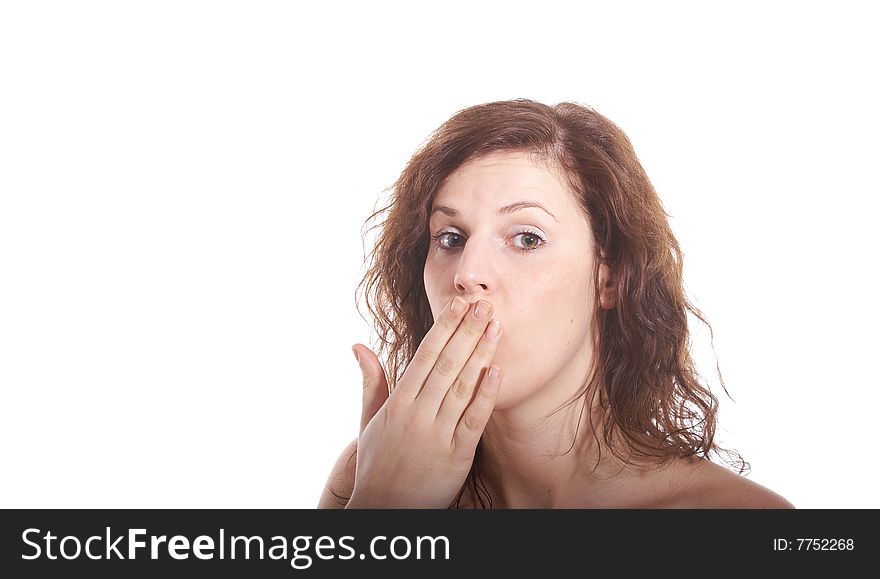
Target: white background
183, 185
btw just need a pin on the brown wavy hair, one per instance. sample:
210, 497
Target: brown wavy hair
650, 390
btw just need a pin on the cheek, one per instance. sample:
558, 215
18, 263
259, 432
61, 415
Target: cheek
561, 291
551, 321
432, 278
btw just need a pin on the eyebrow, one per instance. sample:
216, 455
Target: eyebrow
503, 211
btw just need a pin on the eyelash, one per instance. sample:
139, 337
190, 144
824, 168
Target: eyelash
436, 239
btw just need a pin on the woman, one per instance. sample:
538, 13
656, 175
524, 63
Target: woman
528, 293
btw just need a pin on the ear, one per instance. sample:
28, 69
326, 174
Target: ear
607, 287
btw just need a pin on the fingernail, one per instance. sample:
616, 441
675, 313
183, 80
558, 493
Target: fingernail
459, 306
493, 329
493, 373
482, 310
356, 357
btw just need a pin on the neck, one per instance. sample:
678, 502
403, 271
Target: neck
541, 455
534, 461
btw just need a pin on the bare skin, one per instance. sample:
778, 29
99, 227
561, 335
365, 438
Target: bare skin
533, 266
687, 484
417, 445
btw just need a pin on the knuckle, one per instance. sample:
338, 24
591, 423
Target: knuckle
484, 350
448, 322
409, 421
445, 366
472, 422
421, 420
461, 388
396, 407
425, 356
472, 330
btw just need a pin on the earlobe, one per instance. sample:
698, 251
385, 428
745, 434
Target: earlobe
607, 287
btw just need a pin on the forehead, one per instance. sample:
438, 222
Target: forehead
504, 175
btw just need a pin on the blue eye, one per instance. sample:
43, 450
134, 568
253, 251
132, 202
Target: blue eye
438, 239
536, 241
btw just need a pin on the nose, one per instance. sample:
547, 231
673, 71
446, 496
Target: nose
475, 275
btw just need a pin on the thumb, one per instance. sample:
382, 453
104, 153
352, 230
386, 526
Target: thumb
375, 384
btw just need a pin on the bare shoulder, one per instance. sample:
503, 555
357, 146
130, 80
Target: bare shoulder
340, 483
707, 485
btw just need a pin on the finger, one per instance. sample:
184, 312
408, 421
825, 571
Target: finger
454, 357
374, 382
429, 350
462, 390
473, 421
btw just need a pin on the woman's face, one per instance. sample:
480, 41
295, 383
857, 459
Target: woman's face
533, 266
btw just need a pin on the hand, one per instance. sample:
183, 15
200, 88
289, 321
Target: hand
416, 447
